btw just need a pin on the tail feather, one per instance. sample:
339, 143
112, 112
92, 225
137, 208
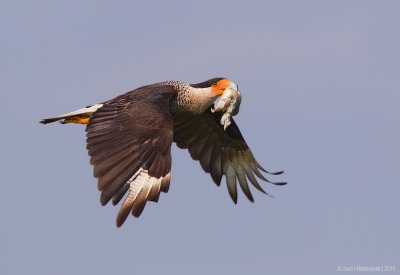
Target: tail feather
49, 120
81, 116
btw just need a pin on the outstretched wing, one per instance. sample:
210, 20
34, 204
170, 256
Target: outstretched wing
129, 142
219, 152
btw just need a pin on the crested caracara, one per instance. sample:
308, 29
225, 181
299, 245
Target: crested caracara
129, 140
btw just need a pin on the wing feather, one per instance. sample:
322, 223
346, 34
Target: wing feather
121, 193
220, 152
216, 163
129, 143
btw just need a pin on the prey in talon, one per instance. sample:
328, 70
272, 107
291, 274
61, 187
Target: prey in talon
229, 103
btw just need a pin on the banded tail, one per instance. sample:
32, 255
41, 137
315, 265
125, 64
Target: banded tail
81, 116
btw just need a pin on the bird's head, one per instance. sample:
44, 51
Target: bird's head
221, 88
220, 85
216, 86
228, 97
217, 90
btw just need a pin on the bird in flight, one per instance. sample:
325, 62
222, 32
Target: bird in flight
129, 140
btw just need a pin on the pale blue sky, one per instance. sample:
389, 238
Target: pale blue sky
321, 95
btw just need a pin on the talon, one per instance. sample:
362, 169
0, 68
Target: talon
226, 120
227, 124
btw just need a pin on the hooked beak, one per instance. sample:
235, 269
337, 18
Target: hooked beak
233, 86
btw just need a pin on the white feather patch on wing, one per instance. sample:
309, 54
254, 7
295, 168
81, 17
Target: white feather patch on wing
142, 187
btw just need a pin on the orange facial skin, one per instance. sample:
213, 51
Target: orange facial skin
219, 87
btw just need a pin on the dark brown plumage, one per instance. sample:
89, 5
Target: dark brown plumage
122, 138
219, 152
129, 142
